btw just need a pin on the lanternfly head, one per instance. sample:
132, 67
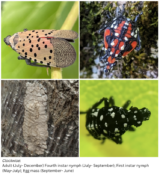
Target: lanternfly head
6, 40
146, 114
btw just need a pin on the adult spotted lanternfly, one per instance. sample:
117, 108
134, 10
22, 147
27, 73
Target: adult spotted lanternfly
48, 47
121, 36
111, 121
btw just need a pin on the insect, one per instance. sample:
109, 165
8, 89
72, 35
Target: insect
111, 122
48, 47
121, 36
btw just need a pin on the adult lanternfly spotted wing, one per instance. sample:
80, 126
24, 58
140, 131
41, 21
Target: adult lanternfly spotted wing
48, 47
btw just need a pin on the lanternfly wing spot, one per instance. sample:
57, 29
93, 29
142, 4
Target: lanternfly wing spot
46, 46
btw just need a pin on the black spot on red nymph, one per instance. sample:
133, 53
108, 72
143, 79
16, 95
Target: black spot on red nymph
44, 58
32, 36
37, 45
46, 34
33, 30
39, 48
35, 54
43, 42
22, 50
50, 51
29, 41
23, 44
50, 57
41, 62
48, 63
32, 45
35, 60
36, 32
25, 53
29, 34
18, 46
30, 49
42, 30
37, 36
39, 39
45, 46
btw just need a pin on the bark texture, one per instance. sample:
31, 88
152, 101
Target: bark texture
62, 118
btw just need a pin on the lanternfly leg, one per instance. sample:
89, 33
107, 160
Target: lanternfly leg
28, 62
131, 128
136, 18
118, 140
127, 103
103, 140
139, 42
111, 101
25, 30
21, 58
83, 112
106, 102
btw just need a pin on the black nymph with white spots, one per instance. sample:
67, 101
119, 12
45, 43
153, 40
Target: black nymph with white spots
111, 122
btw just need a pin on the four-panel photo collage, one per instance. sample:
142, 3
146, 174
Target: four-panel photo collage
79, 79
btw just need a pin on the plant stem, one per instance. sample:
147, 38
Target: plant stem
56, 73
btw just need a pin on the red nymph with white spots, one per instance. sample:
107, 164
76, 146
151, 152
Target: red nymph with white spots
121, 36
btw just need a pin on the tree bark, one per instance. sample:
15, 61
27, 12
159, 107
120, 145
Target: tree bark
61, 109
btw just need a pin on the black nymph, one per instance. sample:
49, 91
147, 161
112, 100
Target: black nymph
111, 122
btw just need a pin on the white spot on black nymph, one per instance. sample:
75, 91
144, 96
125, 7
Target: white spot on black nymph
116, 130
125, 124
110, 109
135, 118
113, 114
95, 114
123, 116
101, 117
